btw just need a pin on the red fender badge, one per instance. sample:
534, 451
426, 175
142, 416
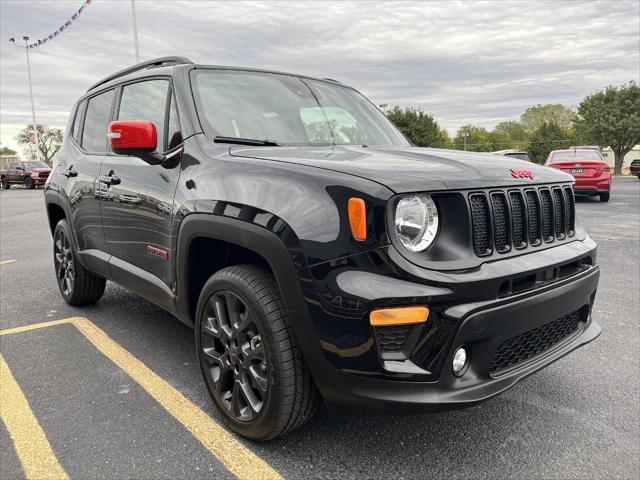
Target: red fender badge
522, 174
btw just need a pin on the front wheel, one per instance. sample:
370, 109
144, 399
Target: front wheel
28, 182
78, 285
249, 357
604, 197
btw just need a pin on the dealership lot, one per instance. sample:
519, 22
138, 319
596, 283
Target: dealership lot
117, 392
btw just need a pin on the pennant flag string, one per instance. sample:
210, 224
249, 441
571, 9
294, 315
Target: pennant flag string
62, 28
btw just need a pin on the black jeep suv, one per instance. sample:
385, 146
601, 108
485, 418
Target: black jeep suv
316, 252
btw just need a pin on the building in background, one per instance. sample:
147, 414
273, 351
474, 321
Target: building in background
7, 159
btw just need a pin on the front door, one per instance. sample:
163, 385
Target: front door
137, 208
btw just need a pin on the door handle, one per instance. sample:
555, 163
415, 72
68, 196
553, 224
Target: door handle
70, 172
110, 179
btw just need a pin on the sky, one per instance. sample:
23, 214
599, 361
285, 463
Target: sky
478, 62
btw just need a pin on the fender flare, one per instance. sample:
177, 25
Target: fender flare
244, 234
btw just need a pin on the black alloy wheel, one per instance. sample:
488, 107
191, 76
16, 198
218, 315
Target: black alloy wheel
64, 263
78, 285
234, 353
249, 357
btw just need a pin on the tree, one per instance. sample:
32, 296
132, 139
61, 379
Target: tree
510, 134
49, 141
611, 117
478, 139
7, 151
548, 136
419, 127
534, 117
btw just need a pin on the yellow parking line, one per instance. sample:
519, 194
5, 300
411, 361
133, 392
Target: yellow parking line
4, 262
237, 458
30, 442
34, 326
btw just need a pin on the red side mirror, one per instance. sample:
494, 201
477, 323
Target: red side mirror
133, 137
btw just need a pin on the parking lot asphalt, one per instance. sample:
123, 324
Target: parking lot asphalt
104, 417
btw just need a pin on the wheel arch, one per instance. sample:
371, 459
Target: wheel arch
243, 242
55, 213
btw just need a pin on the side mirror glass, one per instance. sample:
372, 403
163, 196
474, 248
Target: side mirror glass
133, 138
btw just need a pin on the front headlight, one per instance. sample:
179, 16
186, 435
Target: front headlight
34, 175
416, 222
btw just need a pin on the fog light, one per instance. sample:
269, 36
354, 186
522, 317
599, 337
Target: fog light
459, 363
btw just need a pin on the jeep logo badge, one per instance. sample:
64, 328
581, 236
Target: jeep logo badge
522, 174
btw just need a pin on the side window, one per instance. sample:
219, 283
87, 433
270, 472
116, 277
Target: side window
77, 121
174, 136
94, 133
146, 101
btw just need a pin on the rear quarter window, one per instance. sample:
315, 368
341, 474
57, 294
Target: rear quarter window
77, 121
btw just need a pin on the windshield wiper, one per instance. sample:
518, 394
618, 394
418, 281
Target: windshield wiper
246, 141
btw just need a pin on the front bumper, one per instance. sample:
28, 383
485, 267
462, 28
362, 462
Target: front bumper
481, 326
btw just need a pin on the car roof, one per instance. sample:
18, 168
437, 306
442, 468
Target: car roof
165, 65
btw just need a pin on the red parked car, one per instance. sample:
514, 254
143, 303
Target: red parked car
588, 167
29, 174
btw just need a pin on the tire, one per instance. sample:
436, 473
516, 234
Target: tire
77, 285
5, 183
604, 197
28, 183
252, 350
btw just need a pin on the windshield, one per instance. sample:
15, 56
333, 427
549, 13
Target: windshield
575, 155
35, 165
288, 110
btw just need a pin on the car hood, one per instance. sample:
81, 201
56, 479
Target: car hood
39, 169
411, 169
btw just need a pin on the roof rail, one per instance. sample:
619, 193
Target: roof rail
157, 62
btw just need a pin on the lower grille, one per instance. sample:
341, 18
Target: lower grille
533, 342
392, 339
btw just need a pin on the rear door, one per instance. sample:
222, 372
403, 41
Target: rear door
137, 213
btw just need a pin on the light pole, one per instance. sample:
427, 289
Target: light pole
135, 30
33, 106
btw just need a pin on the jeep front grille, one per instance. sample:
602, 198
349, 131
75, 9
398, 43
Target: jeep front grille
502, 220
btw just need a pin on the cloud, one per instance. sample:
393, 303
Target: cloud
464, 62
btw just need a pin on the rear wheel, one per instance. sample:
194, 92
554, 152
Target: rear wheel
251, 363
78, 285
6, 185
604, 197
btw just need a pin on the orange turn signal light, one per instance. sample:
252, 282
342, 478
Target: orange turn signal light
358, 218
385, 317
